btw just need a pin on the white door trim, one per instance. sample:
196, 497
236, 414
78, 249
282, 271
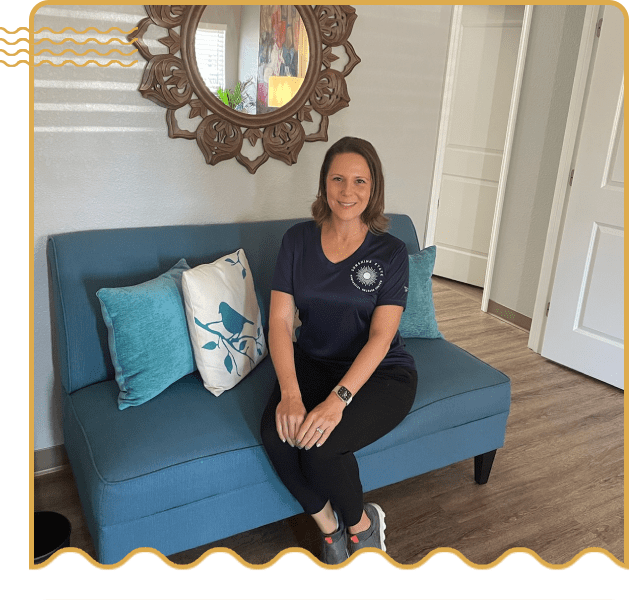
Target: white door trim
573, 124
448, 93
444, 123
504, 168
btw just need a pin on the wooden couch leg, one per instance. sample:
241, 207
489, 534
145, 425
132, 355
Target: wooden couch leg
482, 466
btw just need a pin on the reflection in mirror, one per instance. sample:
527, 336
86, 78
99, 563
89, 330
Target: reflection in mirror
253, 58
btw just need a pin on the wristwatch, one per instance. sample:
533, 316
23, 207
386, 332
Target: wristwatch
343, 393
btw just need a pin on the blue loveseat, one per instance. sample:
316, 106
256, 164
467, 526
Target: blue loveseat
187, 468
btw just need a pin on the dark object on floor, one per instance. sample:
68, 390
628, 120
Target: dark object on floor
51, 531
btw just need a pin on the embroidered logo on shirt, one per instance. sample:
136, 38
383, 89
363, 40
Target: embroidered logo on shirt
366, 275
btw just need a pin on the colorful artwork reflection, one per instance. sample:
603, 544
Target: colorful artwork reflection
283, 49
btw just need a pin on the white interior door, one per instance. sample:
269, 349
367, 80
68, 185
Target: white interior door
584, 330
481, 71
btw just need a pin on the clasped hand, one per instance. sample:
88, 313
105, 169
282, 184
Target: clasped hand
299, 428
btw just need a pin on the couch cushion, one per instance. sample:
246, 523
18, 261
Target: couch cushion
476, 392
182, 446
224, 321
148, 336
186, 445
418, 319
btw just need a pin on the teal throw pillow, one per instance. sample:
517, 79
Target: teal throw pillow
418, 320
149, 341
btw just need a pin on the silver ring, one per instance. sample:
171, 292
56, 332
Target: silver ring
320, 430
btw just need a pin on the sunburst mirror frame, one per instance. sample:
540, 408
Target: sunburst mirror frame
172, 80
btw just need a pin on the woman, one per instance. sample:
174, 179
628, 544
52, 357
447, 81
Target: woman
348, 380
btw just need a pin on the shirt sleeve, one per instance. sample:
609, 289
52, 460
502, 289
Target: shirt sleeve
283, 275
394, 289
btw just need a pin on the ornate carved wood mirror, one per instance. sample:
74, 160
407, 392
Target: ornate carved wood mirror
259, 86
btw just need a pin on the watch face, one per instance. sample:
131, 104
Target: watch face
345, 394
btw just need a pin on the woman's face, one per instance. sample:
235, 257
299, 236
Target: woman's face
348, 186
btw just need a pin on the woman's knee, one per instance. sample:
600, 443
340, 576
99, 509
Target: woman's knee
323, 454
268, 433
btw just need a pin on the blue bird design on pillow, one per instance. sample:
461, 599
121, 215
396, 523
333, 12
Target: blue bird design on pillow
233, 321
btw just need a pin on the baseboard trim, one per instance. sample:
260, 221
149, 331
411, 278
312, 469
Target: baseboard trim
50, 459
510, 316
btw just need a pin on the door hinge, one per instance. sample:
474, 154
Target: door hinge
598, 28
547, 308
571, 177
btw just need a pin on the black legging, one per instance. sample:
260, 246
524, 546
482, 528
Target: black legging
330, 472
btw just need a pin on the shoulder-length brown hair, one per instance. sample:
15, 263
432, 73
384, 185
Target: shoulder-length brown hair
373, 215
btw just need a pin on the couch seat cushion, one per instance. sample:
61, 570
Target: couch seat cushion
182, 446
186, 444
476, 392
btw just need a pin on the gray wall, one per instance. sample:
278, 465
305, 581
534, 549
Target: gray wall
545, 97
128, 173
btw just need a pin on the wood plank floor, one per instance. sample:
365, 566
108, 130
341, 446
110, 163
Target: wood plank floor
555, 488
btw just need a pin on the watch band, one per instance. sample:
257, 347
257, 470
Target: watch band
343, 393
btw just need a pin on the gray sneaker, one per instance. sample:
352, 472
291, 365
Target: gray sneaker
374, 536
335, 546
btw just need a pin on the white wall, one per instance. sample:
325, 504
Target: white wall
543, 110
133, 175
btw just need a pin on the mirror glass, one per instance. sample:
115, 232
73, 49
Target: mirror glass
253, 58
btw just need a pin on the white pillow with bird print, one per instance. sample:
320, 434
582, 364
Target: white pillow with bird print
224, 321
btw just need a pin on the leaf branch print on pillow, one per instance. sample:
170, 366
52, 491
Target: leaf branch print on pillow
234, 323
237, 262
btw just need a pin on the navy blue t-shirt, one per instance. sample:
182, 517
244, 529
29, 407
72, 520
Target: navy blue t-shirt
336, 300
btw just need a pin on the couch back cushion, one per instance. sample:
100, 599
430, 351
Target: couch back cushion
82, 262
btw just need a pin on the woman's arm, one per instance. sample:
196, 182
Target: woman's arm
290, 412
327, 415
384, 325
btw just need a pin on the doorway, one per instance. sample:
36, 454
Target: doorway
483, 79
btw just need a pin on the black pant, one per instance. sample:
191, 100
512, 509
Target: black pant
330, 472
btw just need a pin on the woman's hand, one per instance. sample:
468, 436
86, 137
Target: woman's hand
289, 416
322, 418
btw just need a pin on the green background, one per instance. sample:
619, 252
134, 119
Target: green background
145, 576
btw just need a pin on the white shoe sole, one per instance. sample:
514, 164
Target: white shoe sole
383, 525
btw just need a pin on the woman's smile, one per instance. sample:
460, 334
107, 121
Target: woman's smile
348, 186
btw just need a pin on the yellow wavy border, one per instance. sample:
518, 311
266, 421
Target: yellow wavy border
16, 42
71, 62
15, 53
308, 554
19, 62
84, 53
80, 32
13, 32
85, 42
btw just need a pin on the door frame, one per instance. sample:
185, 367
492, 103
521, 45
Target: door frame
448, 93
562, 188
